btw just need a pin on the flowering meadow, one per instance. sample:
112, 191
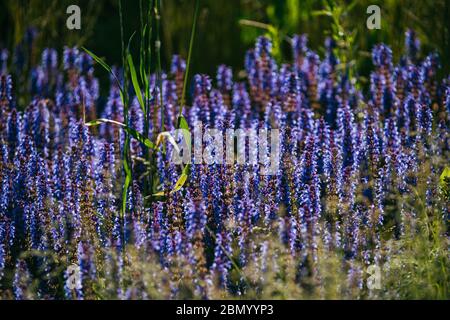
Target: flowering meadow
358, 207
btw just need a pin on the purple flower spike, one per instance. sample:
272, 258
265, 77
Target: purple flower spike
22, 281
382, 57
70, 58
263, 47
49, 59
6, 87
412, 45
224, 78
4, 55
299, 48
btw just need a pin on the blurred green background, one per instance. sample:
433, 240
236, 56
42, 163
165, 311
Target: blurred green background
223, 36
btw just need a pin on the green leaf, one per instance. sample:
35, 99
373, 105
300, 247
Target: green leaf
135, 81
180, 183
98, 60
444, 176
134, 133
183, 124
169, 137
106, 67
322, 13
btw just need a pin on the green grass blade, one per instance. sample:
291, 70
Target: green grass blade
104, 66
186, 170
134, 133
128, 178
179, 184
98, 60
158, 62
135, 82
183, 124
141, 48
125, 100
143, 63
183, 179
188, 64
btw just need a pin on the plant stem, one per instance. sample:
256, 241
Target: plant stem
150, 155
126, 147
144, 79
158, 60
191, 46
